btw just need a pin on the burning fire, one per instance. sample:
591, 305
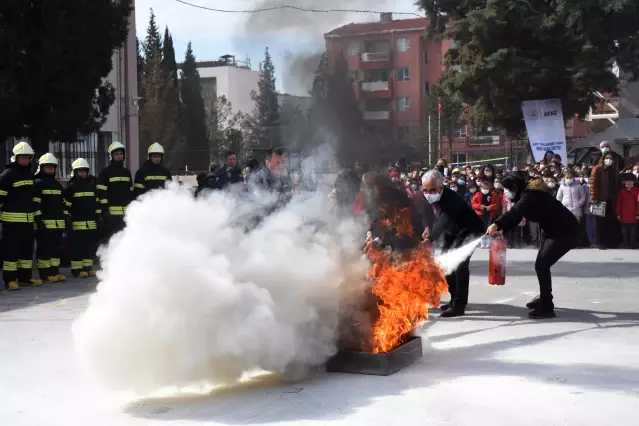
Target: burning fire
405, 285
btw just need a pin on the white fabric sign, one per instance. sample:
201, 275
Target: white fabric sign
545, 125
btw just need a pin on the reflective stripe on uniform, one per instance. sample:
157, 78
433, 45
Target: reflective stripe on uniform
155, 178
117, 211
9, 266
67, 203
44, 263
37, 200
55, 262
139, 185
51, 192
104, 201
17, 217
77, 264
102, 187
120, 179
54, 224
23, 183
84, 225
87, 263
3, 193
84, 194
25, 264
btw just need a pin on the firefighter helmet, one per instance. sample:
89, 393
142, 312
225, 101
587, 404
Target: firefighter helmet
155, 148
22, 148
48, 159
80, 163
115, 146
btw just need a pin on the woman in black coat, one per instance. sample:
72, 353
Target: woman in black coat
559, 230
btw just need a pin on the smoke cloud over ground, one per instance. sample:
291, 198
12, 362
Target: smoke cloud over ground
299, 72
189, 296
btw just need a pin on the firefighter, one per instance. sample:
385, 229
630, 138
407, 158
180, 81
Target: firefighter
152, 174
84, 211
17, 217
50, 218
114, 190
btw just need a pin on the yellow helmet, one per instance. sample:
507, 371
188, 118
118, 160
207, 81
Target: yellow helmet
155, 148
22, 148
80, 163
48, 158
115, 146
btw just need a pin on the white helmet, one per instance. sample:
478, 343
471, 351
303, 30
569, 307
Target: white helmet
48, 158
22, 148
115, 146
155, 148
80, 163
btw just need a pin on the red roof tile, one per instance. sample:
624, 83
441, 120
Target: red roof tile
372, 27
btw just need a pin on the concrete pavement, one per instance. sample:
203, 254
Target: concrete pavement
492, 367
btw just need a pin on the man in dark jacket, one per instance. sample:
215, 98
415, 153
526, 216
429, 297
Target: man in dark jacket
456, 221
230, 173
152, 174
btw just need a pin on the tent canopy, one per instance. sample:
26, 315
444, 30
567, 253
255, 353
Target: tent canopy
624, 131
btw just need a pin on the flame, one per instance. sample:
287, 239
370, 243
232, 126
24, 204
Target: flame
405, 284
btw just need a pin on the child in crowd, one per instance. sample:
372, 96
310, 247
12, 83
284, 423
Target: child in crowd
628, 209
472, 190
486, 205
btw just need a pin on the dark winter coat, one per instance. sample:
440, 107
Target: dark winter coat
114, 188
16, 194
226, 176
150, 176
49, 199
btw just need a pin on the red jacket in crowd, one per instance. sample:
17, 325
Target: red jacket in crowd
493, 202
628, 205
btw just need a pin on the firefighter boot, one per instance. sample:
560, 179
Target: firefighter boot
33, 282
83, 274
92, 273
12, 286
60, 277
51, 279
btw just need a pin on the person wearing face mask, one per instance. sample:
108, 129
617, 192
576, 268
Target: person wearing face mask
442, 167
618, 162
627, 209
571, 195
485, 203
489, 173
559, 228
472, 190
604, 187
455, 222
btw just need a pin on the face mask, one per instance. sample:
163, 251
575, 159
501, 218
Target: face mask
498, 185
586, 180
605, 150
636, 173
489, 174
569, 181
446, 184
485, 191
463, 182
414, 187
473, 190
453, 188
432, 198
608, 162
478, 171
629, 185
509, 194
551, 184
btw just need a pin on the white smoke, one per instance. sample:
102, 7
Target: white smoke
451, 260
189, 295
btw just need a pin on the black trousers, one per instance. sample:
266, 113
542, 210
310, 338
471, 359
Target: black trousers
112, 225
629, 234
17, 251
48, 247
82, 247
607, 227
458, 284
549, 253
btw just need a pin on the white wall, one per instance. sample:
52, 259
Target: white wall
113, 123
234, 83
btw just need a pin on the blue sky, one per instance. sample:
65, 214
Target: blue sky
286, 33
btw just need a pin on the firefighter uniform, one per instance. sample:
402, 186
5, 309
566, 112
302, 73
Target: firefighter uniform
17, 217
115, 192
151, 176
50, 218
84, 210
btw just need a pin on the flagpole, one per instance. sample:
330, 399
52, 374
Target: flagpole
439, 132
431, 148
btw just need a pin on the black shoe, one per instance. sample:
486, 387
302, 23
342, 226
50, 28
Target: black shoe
452, 312
601, 247
542, 314
444, 307
535, 303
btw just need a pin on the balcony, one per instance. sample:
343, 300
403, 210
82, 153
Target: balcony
376, 115
485, 140
375, 60
374, 86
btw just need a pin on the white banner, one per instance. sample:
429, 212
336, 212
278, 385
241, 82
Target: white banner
545, 126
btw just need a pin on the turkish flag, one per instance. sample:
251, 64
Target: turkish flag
440, 107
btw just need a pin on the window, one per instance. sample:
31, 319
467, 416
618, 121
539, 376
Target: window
353, 75
426, 89
458, 158
402, 44
353, 49
426, 57
402, 74
463, 131
403, 104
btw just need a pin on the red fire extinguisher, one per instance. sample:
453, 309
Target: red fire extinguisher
497, 262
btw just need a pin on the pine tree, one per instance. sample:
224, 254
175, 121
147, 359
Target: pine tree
57, 55
193, 121
265, 131
153, 42
140, 64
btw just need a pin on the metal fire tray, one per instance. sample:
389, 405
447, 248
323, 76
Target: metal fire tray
377, 364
